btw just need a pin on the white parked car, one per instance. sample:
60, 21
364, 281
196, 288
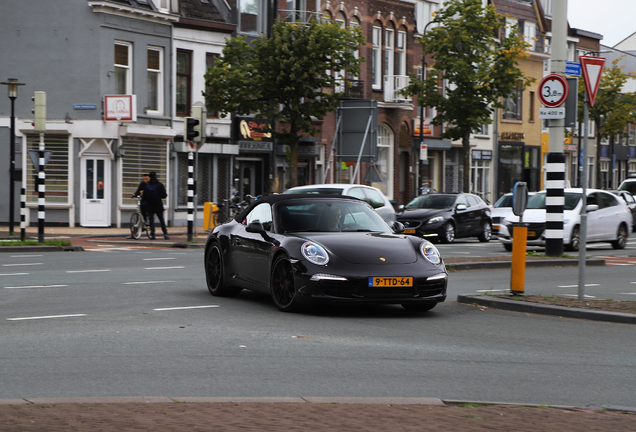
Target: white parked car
502, 210
608, 220
372, 195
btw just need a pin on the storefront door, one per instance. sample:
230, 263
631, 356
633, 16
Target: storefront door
94, 192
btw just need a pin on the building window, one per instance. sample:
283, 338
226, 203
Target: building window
377, 57
123, 68
296, 11
531, 103
251, 16
384, 164
401, 53
210, 60
510, 24
184, 82
353, 24
480, 178
155, 81
530, 35
142, 155
512, 104
423, 15
389, 53
57, 170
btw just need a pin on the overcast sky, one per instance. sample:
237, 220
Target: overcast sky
614, 19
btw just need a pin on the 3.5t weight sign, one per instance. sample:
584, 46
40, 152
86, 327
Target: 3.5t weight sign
553, 90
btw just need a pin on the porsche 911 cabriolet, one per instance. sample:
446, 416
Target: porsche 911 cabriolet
304, 249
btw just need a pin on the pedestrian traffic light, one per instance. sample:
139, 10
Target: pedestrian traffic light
39, 119
191, 132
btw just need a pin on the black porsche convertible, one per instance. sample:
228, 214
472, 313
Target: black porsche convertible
304, 249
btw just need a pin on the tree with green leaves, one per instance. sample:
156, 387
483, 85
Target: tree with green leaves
612, 109
289, 78
471, 71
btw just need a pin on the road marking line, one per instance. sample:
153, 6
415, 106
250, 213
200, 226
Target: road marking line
187, 307
492, 290
574, 286
45, 317
157, 259
35, 286
163, 268
576, 295
629, 293
145, 282
23, 264
24, 256
87, 271
13, 274
617, 264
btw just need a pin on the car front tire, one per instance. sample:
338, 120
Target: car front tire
282, 286
508, 247
621, 239
575, 240
448, 233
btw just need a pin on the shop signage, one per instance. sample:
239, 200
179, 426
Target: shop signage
512, 136
255, 146
120, 108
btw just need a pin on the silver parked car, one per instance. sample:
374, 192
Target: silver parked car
371, 195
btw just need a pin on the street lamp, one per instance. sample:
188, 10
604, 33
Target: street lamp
13, 84
420, 167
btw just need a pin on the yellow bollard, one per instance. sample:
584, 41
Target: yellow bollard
518, 267
208, 215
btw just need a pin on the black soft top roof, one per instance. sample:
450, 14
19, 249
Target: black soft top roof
273, 199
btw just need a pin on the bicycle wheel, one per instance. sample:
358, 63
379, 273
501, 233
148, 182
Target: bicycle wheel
135, 225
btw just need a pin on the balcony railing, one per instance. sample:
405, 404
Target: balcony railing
392, 85
350, 88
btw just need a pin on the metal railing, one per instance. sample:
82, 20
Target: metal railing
392, 85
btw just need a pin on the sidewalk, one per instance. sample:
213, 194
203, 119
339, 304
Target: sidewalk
302, 414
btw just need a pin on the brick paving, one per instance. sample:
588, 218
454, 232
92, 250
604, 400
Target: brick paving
303, 416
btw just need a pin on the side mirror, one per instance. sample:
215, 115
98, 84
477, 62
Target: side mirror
397, 227
591, 207
401, 208
461, 207
255, 227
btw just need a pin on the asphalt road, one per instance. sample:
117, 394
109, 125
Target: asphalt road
141, 323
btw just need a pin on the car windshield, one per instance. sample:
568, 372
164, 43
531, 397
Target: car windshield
629, 186
328, 215
504, 201
315, 191
537, 201
432, 202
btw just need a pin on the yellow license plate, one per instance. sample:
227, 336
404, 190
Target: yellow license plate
409, 231
390, 281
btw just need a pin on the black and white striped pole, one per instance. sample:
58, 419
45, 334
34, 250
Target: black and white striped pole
23, 214
555, 91
40, 126
190, 194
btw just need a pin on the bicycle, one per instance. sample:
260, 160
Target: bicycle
137, 222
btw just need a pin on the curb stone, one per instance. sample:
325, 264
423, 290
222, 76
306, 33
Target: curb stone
528, 307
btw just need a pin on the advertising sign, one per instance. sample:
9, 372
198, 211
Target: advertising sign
120, 108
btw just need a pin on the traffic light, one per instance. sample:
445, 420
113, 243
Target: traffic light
199, 113
39, 111
191, 132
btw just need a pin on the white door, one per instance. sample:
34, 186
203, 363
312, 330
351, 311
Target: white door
95, 192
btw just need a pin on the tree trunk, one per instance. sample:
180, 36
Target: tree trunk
293, 147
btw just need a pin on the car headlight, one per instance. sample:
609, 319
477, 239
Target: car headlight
436, 219
314, 253
430, 252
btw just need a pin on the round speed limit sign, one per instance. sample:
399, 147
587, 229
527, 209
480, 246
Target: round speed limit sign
553, 90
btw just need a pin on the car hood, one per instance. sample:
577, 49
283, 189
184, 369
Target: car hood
420, 213
366, 248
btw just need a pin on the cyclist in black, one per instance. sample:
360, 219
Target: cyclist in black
154, 192
140, 191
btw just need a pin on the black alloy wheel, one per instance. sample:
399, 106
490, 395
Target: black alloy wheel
282, 285
486, 232
214, 274
508, 247
419, 307
621, 238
